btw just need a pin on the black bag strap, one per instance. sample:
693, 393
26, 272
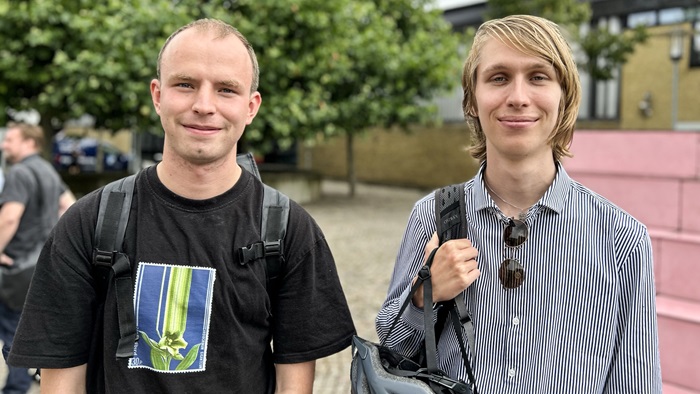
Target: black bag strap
436, 379
451, 222
275, 217
112, 218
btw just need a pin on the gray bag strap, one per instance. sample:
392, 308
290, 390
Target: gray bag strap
110, 262
275, 217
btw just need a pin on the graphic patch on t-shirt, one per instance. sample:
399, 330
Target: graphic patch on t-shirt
172, 307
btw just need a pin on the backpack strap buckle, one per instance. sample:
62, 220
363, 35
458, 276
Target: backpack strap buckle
251, 253
102, 258
274, 248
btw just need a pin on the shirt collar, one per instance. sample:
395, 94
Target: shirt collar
554, 198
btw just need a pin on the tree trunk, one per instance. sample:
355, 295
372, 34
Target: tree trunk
352, 180
49, 132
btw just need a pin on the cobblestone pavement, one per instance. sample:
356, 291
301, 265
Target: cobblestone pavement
364, 233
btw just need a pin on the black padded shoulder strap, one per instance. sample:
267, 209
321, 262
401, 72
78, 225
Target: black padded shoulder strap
450, 212
108, 257
113, 215
451, 222
247, 161
275, 217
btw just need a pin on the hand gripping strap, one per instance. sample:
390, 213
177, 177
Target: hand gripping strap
451, 222
113, 216
436, 381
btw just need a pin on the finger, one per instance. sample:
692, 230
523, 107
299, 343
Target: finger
432, 244
472, 276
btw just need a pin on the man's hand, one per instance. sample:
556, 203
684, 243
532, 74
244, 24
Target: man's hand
454, 269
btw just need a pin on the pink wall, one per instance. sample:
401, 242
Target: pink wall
655, 176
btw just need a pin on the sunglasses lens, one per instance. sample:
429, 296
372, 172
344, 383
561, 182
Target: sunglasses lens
511, 274
515, 233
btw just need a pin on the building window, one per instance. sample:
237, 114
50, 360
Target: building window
642, 18
671, 16
695, 45
601, 99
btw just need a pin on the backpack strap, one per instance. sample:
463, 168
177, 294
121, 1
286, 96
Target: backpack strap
450, 213
451, 221
247, 161
275, 216
112, 218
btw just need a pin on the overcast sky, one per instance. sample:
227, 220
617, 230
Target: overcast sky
449, 4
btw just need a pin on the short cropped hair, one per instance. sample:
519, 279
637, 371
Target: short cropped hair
222, 29
29, 132
534, 36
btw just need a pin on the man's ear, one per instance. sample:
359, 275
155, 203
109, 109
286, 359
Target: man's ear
155, 94
253, 106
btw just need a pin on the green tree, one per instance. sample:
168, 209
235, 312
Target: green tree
327, 67
70, 58
604, 51
340, 67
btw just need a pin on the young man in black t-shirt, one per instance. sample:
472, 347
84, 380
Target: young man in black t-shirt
205, 322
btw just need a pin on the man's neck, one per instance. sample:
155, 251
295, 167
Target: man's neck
198, 182
21, 157
516, 187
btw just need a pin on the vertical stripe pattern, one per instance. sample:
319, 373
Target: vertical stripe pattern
584, 319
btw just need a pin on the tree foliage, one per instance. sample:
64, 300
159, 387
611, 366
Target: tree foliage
342, 66
327, 67
604, 51
69, 58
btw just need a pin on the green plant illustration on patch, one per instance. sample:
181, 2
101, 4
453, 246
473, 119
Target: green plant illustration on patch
173, 325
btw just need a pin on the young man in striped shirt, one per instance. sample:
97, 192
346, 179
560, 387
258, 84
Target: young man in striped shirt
558, 281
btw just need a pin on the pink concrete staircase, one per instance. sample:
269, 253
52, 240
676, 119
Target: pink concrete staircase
655, 176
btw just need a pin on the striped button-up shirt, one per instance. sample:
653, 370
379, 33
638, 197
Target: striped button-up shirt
584, 318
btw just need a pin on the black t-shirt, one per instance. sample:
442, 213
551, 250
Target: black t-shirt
205, 321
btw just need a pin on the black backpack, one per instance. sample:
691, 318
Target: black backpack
108, 257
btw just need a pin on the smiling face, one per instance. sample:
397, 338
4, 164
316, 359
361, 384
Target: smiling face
203, 96
517, 102
517, 37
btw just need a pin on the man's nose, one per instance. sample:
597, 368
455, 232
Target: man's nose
204, 102
518, 95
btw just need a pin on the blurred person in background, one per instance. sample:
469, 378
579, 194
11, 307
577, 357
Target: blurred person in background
33, 198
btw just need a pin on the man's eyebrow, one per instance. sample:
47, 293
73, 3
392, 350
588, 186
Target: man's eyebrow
231, 83
180, 77
532, 66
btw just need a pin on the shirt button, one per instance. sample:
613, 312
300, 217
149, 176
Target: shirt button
511, 372
516, 321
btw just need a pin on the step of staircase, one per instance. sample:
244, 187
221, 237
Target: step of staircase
679, 343
671, 389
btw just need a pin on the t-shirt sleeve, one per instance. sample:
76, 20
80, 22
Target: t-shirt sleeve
58, 316
19, 186
311, 315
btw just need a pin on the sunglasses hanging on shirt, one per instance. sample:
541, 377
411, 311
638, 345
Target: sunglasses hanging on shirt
511, 272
